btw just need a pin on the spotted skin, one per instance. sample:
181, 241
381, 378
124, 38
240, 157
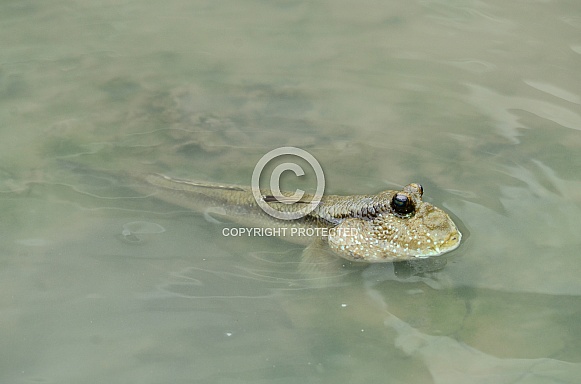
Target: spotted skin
389, 226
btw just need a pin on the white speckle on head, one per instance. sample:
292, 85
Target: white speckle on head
428, 232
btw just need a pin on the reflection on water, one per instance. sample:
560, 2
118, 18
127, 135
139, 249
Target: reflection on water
500, 108
477, 102
443, 355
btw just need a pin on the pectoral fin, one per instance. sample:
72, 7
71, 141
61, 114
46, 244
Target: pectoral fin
321, 267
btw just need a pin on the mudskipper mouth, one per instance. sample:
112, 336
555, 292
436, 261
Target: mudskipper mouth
452, 242
449, 244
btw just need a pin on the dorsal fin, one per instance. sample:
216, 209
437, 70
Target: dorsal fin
282, 199
198, 184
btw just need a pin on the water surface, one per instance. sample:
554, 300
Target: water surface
477, 101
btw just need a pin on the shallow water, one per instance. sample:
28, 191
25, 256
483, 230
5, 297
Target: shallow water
478, 101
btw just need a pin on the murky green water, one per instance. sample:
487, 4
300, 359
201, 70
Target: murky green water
478, 101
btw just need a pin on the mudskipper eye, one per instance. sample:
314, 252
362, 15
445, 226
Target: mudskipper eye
402, 204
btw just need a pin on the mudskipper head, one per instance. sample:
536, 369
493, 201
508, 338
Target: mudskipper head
407, 228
